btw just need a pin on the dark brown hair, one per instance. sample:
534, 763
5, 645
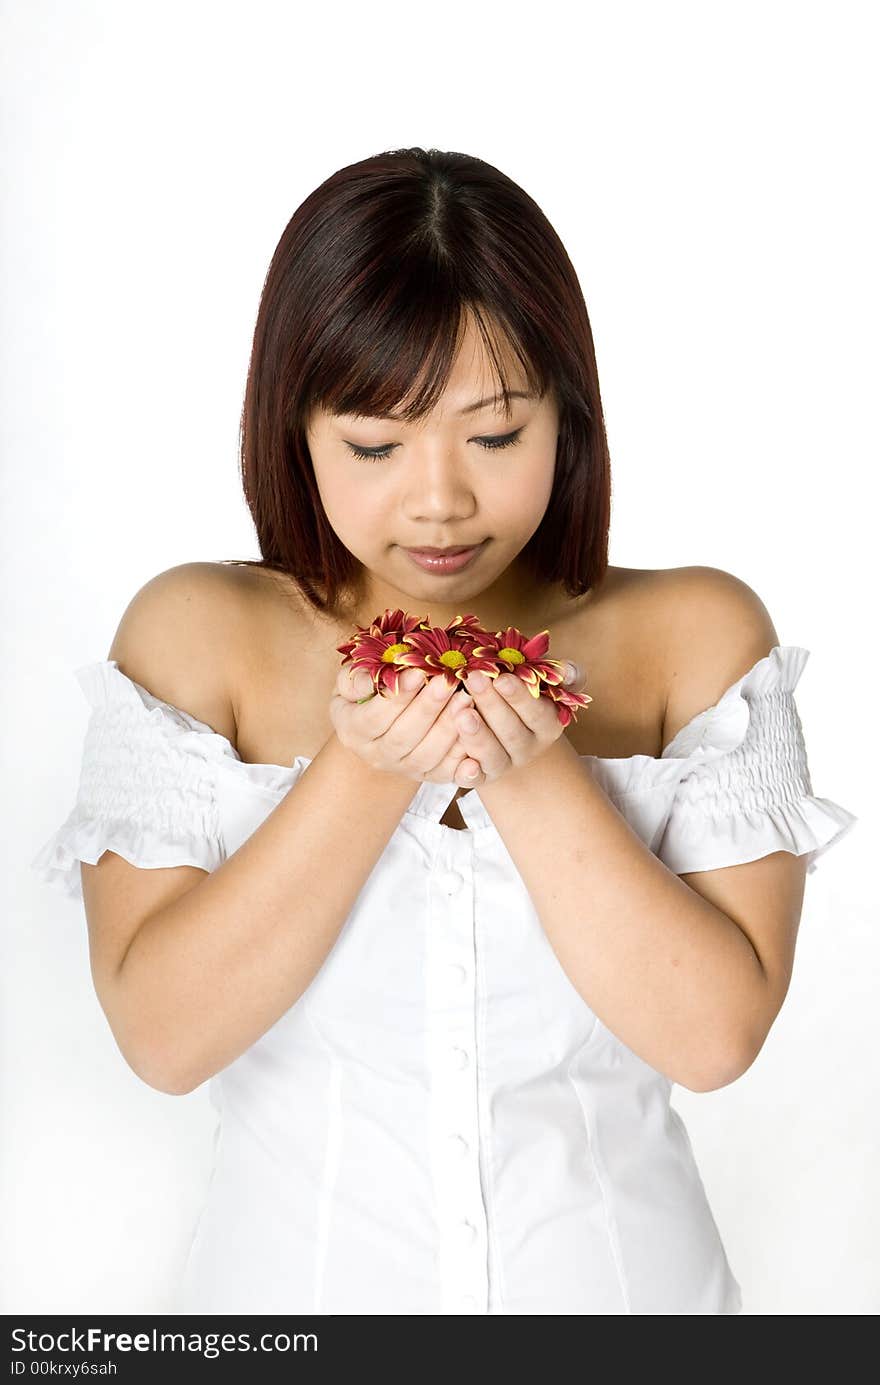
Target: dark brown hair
362, 309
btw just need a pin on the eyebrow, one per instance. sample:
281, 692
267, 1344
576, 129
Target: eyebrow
494, 399
470, 408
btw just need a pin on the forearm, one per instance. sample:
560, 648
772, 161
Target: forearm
207, 975
672, 976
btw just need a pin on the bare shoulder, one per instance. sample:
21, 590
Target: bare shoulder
709, 628
280, 617
181, 637
268, 590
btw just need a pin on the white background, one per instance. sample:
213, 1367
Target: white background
711, 169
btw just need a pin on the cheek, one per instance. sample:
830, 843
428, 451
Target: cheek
356, 513
343, 495
527, 496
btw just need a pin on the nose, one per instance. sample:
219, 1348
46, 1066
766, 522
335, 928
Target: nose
440, 494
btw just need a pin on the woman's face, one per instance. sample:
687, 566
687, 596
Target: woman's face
442, 482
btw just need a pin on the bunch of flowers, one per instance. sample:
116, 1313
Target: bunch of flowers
396, 641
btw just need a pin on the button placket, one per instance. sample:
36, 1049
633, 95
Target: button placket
461, 1253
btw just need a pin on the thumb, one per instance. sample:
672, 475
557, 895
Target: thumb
362, 683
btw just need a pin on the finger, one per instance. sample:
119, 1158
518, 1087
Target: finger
480, 741
414, 716
512, 714
457, 762
433, 754
575, 679
469, 773
353, 683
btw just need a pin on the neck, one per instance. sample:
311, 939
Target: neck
515, 599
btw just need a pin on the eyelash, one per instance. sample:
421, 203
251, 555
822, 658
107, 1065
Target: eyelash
490, 444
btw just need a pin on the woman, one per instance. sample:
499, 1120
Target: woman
441, 981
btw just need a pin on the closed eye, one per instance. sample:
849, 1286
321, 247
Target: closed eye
381, 454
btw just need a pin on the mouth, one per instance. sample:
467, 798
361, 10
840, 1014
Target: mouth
442, 560
443, 552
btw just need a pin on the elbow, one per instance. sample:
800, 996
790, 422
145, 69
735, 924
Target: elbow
157, 1070
158, 1065
161, 1078
726, 1068
169, 1086
161, 1066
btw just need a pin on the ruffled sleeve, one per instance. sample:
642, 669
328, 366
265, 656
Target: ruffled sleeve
745, 789
147, 787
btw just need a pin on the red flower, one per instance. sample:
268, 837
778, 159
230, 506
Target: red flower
449, 652
524, 658
464, 627
377, 648
567, 703
396, 641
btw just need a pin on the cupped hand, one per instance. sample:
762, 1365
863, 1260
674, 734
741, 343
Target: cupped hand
508, 727
412, 732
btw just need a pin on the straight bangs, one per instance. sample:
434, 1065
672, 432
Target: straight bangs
398, 360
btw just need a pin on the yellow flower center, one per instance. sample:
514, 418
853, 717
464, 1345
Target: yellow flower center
513, 656
390, 654
453, 658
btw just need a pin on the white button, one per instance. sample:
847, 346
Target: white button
457, 975
458, 1145
450, 881
468, 1302
466, 1233
459, 1057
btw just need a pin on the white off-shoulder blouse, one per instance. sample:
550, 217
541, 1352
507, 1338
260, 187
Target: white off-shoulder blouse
440, 1124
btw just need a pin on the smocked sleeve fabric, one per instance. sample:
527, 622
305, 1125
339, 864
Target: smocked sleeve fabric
147, 787
746, 789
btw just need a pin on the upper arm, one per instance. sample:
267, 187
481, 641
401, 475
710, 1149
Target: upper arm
717, 628
177, 638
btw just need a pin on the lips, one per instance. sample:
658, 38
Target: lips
443, 552
445, 561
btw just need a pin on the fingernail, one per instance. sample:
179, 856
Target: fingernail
412, 678
441, 687
363, 684
469, 773
469, 721
571, 672
476, 682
